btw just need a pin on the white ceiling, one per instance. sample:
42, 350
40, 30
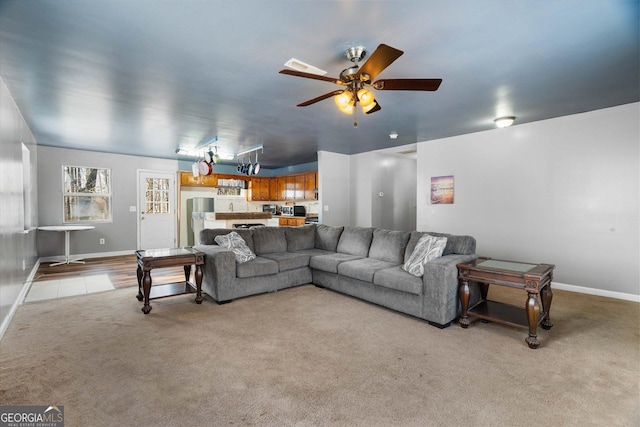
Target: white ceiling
143, 77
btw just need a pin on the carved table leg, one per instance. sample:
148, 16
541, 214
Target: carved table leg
546, 295
533, 314
146, 284
198, 278
139, 274
464, 300
187, 274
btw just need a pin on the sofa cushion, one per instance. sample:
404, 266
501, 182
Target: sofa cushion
299, 238
362, 269
398, 279
389, 245
330, 262
288, 260
237, 245
256, 267
355, 240
267, 240
429, 247
456, 244
327, 237
208, 236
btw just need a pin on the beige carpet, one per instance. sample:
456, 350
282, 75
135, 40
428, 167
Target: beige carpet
309, 356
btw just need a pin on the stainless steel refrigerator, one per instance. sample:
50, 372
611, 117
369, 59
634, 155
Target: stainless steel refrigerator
197, 207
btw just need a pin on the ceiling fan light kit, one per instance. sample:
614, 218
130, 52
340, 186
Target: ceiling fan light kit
357, 80
504, 122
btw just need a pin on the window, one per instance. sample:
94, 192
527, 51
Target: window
87, 194
157, 195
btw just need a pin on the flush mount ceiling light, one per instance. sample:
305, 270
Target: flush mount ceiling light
504, 122
393, 135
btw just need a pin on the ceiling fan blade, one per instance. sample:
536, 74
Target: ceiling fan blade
320, 98
380, 59
312, 76
408, 84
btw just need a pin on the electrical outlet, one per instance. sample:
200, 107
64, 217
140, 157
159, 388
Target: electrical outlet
102, 241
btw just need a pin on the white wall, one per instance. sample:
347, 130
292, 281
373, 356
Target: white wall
17, 199
563, 191
121, 233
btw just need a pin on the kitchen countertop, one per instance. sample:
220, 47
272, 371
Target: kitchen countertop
243, 215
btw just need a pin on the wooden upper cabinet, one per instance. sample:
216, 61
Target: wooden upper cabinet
298, 189
280, 188
273, 189
187, 179
310, 185
259, 189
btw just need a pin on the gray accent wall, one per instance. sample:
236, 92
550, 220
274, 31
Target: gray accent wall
383, 189
18, 194
564, 191
120, 234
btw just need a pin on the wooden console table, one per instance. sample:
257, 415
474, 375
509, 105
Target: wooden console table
533, 278
160, 258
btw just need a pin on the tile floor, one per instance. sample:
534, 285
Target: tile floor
50, 289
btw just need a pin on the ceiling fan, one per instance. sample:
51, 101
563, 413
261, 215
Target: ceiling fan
357, 80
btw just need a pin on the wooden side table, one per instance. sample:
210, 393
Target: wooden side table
535, 279
160, 258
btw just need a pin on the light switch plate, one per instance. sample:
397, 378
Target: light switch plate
132, 209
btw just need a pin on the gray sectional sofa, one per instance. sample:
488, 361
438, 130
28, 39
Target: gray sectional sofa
362, 262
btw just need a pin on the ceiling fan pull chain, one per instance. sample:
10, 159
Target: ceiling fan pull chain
355, 115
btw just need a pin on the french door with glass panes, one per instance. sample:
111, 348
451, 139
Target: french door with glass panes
156, 210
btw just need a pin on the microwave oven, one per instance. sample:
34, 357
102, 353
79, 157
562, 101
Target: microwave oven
269, 208
287, 210
299, 211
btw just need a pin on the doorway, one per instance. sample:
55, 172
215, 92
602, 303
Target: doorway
156, 210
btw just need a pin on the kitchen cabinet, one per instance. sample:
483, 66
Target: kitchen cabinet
187, 179
273, 189
310, 185
259, 189
298, 188
292, 221
282, 188
290, 187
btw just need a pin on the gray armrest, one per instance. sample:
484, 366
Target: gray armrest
219, 271
440, 283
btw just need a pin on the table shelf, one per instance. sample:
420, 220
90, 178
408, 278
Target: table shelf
171, 289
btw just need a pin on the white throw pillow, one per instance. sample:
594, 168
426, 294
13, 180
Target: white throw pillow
235, 243
428, 247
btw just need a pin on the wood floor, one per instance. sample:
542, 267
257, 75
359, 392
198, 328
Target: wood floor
121, 271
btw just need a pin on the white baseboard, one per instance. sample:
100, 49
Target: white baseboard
594, 291
87, 256
21, 296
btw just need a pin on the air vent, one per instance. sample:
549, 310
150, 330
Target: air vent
298, 65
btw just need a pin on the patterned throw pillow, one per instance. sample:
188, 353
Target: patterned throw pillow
237, 245
428, 247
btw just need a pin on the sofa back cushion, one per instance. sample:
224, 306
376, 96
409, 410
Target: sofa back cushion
208, 236
456, 244
327, 237
389, 245
355, 240
268, 240
299, 238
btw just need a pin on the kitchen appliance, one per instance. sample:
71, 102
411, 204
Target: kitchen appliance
269, 208
287, 211
299, 211
197, 208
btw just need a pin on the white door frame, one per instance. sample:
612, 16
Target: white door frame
172, 204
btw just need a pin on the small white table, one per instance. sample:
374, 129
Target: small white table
66, 229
